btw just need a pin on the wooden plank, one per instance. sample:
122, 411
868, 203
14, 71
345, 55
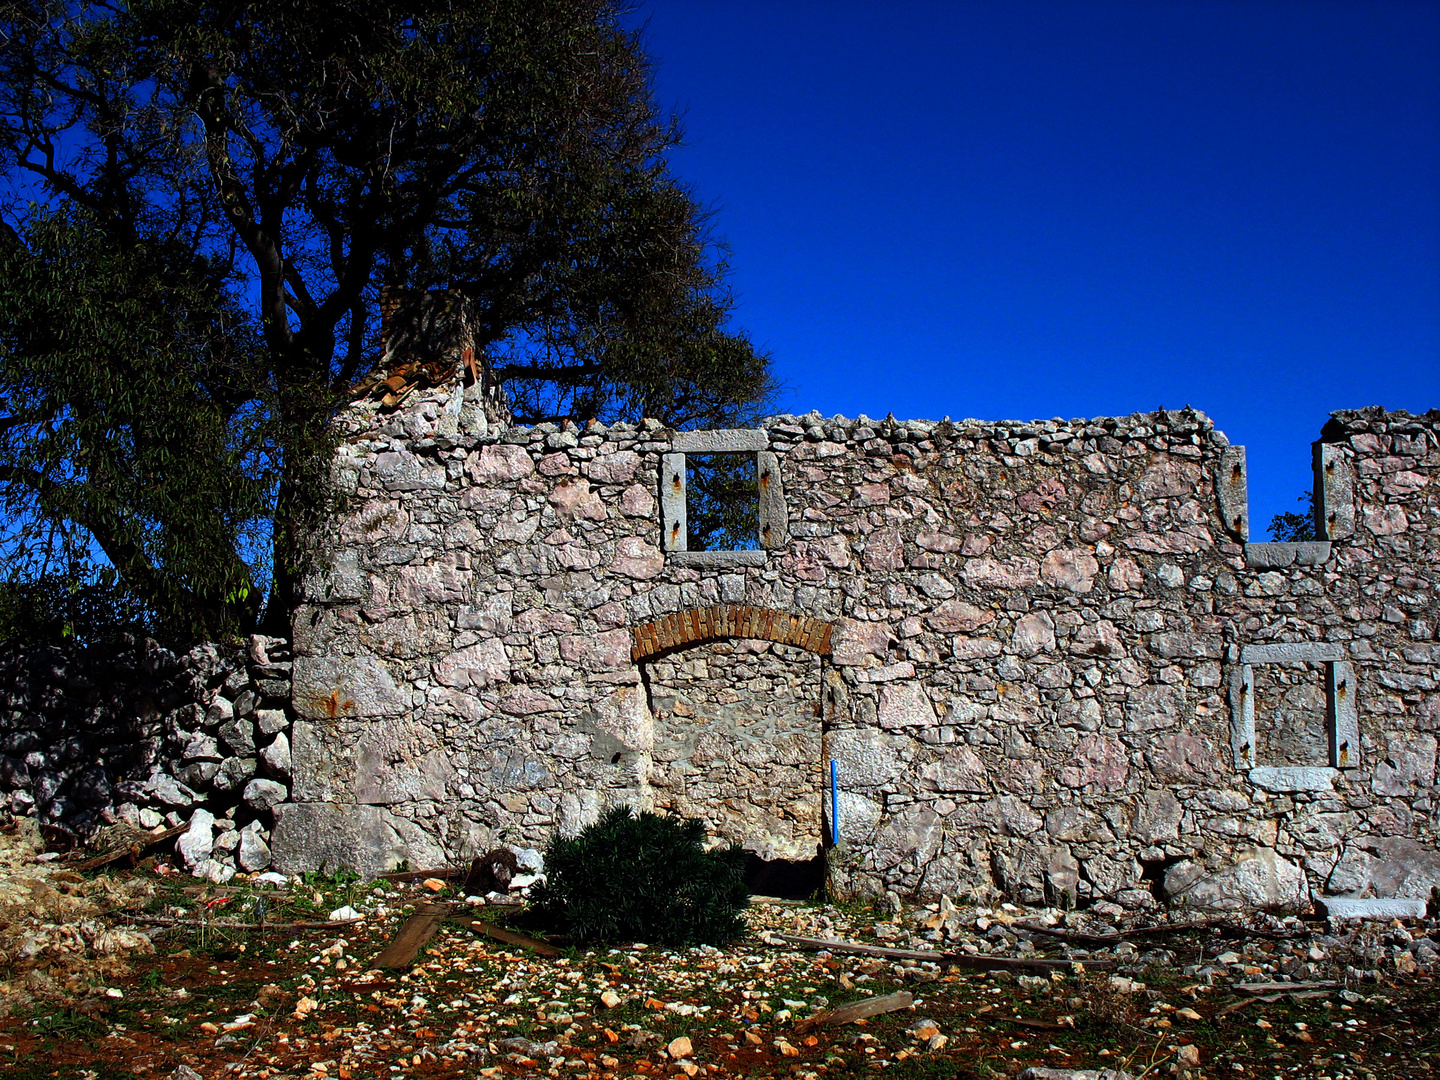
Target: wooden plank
140, 843
412, 936
1284, 987
230, 924
856, 1010
964, 960
510, 937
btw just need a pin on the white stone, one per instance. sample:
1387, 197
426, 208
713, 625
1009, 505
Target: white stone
254, 852
264, 794
198, 841
276, 756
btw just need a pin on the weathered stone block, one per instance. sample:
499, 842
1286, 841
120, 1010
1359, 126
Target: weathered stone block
276, 757
368, 839
1292, 777
720, 441
264, 794
774, 518
234, 773
1334, 491
400, 762
482, 664
957, 769
499, 463
1153, 708
1290, 651
331, 686
905, 704
1407, 766
1073, 571
1258, 878
1269, 556
868, 759
634, 558
1034, 633
1232, 492
1354, 909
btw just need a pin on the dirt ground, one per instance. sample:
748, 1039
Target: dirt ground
91, 987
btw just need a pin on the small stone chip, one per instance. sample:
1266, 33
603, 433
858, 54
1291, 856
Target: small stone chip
610, 999
923, 1028
433, 884
679, 1048
1188, 1056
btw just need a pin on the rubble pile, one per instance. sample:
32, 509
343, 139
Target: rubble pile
255, 982
139, 734
54, 937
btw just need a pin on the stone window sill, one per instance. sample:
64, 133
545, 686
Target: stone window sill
717, 558
1277, 555
1293, 777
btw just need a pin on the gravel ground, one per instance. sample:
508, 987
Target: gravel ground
269, 1002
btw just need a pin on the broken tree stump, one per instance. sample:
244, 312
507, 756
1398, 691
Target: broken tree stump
132, 849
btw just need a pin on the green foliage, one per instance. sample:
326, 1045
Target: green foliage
722, 507
254, 173
643, 877
1288, 527
127, 422
55, 610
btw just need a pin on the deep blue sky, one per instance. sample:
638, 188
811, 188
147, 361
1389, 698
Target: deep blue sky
1021, 209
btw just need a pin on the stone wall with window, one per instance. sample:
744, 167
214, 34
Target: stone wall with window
1044, 657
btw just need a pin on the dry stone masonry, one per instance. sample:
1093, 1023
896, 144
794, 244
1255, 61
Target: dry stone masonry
1045, 658
135, 733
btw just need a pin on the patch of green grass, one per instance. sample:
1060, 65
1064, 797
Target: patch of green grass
64, 1022
152, 980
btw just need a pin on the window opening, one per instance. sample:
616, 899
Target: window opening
722, 502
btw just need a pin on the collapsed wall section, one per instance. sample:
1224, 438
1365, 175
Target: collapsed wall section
131, 734
1037, 648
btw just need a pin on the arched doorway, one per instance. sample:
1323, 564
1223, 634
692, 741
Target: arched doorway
735, 694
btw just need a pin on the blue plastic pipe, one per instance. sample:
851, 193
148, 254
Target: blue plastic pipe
834, 803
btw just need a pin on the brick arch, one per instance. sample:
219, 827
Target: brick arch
729, 621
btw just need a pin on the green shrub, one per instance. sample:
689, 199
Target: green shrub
643, 878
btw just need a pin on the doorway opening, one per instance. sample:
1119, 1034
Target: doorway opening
738, 745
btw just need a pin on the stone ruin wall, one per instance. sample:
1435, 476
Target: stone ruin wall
132, 732
1043, 656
